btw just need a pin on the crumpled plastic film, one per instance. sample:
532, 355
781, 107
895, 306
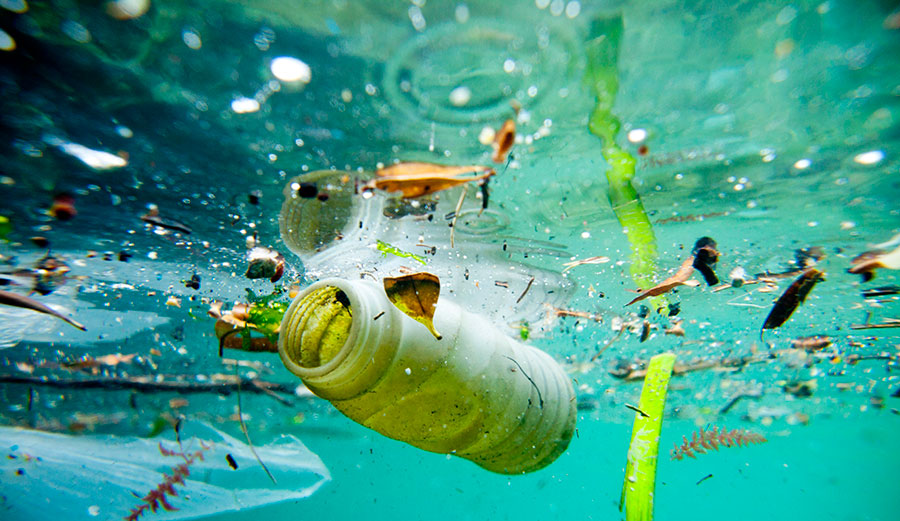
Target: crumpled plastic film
486, 271
49, 476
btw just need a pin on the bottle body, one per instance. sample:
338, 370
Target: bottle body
476, 393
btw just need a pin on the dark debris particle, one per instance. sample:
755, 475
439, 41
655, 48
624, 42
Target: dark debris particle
254, 197
231, 463
322, 197
308, 190
124, 256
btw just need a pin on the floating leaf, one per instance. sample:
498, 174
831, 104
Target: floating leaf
792, 297
415, 179
9, 298
415, 295
679, 279
504, 140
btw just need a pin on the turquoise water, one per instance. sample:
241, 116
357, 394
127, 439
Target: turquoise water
770, 127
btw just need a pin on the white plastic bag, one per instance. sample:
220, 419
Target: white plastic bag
53, 477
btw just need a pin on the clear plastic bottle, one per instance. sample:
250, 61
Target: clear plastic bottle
475, 393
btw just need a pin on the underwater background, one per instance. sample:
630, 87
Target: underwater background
146, 146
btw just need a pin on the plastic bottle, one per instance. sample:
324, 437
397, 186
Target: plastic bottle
475, 393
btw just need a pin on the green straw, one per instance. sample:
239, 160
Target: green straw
640, 471
602, 50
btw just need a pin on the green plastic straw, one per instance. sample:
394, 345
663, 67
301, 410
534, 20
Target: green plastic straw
640, 471
602, 50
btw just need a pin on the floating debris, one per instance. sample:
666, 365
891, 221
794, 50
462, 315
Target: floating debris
264, 264
63, 207
676, 329
811, 343
386, 248
504, 140
800, 388
8, 298
415, 179
791, 298
193, 283
173, 301
705, 258
679, 279
866, 263
590, 260
153, 217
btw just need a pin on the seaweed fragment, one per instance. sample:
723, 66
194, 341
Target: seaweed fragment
792, 298
704, 440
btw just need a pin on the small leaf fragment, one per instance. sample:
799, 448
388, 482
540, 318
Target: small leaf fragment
679, 279
416, 295
792, 297
415, 179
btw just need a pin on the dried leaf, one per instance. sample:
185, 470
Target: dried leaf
679, 279
504, 140
792, 297
415, 295
415, 179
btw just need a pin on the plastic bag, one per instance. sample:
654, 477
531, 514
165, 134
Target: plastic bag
50, 476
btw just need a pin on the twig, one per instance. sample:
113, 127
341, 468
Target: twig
528, 287
247, 434
459, 204
540, 398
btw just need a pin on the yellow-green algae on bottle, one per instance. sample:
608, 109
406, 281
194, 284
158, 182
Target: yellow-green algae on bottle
475, 393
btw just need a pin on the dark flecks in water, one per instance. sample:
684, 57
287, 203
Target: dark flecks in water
528, 287
41, 242
193, 283
323, 196
637, 410
231, 463
124, 256
705, 258
254, 196
379, 315
704, 478
485, 194
645, 331
674, 308
792, 298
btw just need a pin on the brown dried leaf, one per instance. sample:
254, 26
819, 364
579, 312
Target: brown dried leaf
504, 140
679, 279
792, 297
416, 295
415, 179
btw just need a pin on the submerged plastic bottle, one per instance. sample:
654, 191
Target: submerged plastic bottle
475, 393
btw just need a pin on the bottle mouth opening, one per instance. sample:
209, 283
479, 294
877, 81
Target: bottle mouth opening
316, 328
